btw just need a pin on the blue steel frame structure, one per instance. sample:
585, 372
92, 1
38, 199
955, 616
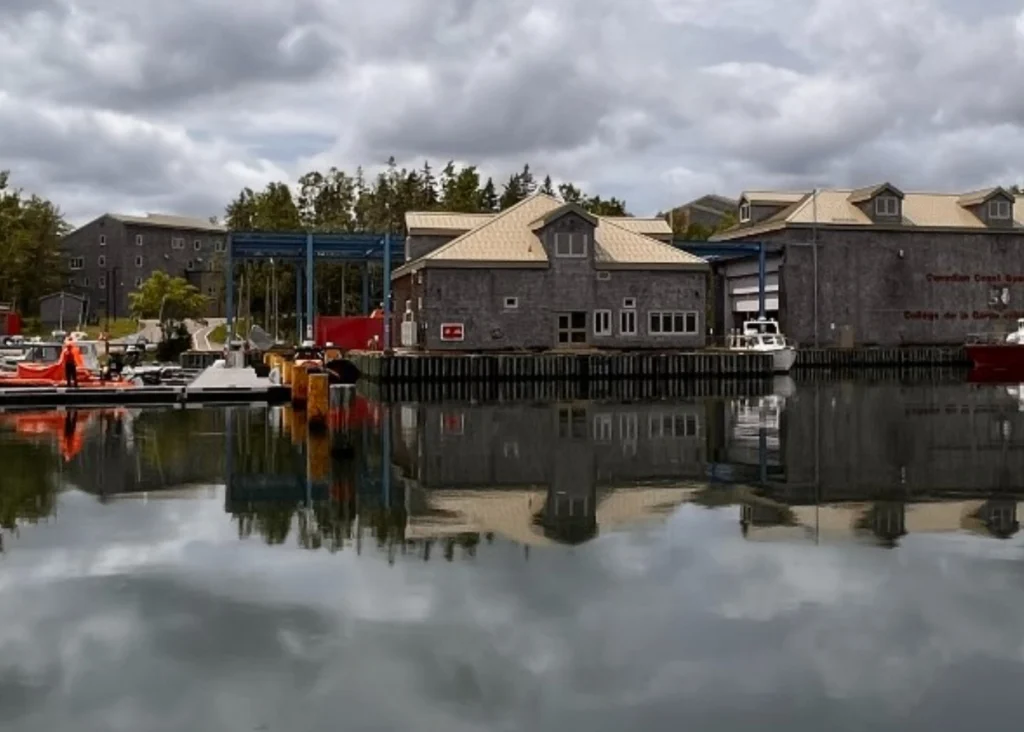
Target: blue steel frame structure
729, 250
306, 249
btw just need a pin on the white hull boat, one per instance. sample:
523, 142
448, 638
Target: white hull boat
764, 336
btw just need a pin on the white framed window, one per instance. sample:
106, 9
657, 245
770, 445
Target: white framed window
511, 449
672, 322
76, 263
604, 276
511, 303
603, 427
101, 282
218, 245
138, 240
190, 266
602, 322
572, 423
138, 261
628, 302
673, 425
102, 260
197, 244
177, 242
138, 282
627, 322
85, 282
745, 212
887, 206
103, 240
629, 431
1000, 208
570, 244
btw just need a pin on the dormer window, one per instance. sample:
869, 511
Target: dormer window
745, 212
1000, 209
570, 244
887, 206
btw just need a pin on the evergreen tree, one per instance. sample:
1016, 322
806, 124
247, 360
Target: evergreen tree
546, 187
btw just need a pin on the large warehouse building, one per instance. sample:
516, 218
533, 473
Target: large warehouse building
879, 266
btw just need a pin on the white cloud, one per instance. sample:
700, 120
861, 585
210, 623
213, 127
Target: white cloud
133, 106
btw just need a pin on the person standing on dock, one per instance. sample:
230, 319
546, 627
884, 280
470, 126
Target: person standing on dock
70, 367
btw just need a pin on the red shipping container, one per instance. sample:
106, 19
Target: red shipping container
350, 333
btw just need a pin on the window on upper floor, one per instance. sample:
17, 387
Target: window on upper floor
138, 261
570, 244
76, 263
218, 245
101, 260
177, 242
511, 303
138, 240
101, 282
197, 244
103, 240
745, 212
887, 206
1000, 208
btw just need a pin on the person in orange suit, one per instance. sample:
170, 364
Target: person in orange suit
70, 369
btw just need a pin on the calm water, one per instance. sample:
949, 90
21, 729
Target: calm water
836, 556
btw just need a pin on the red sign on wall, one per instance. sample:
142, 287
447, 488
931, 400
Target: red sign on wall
452, 332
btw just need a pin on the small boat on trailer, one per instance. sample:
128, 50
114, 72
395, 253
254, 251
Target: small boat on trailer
763, 335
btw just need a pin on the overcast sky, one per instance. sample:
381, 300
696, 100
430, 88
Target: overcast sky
135, 105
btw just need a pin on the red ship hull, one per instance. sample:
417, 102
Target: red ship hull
997, 356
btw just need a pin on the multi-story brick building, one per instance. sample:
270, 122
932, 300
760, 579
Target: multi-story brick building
112, 255
879, 266
543, 274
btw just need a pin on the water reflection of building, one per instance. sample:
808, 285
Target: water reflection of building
541, 473
884, 521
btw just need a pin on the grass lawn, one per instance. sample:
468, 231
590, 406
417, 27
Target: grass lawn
119, 328
219, 334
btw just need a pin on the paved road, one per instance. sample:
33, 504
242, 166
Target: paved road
201, 334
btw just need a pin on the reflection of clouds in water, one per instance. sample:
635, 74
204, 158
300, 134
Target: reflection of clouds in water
110, 607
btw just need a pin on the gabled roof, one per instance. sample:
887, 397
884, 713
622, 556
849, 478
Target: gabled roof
653, 226
835, 208
768, 198
444, 221
507, 239
860, 195
169, 221
975, 198
566, 208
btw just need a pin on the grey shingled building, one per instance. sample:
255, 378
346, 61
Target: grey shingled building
892, 267
112, 255
545, 274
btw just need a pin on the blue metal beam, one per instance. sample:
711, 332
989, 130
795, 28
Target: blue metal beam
387, 296
230, 277
310, 275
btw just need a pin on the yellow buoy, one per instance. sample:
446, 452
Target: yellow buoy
318, 398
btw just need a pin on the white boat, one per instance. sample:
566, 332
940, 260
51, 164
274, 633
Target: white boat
764, 336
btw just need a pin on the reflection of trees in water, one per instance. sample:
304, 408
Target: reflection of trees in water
335, 525
28, 490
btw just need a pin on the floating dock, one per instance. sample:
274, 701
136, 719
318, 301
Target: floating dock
421, 368
139, 396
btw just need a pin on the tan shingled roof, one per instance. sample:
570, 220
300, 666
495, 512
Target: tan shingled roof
506, 239
168, 221
766, 197
443, 220
647, 227
835, 208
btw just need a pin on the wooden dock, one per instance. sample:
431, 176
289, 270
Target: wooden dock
21, 398
419, 368
560, 391
881, 357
